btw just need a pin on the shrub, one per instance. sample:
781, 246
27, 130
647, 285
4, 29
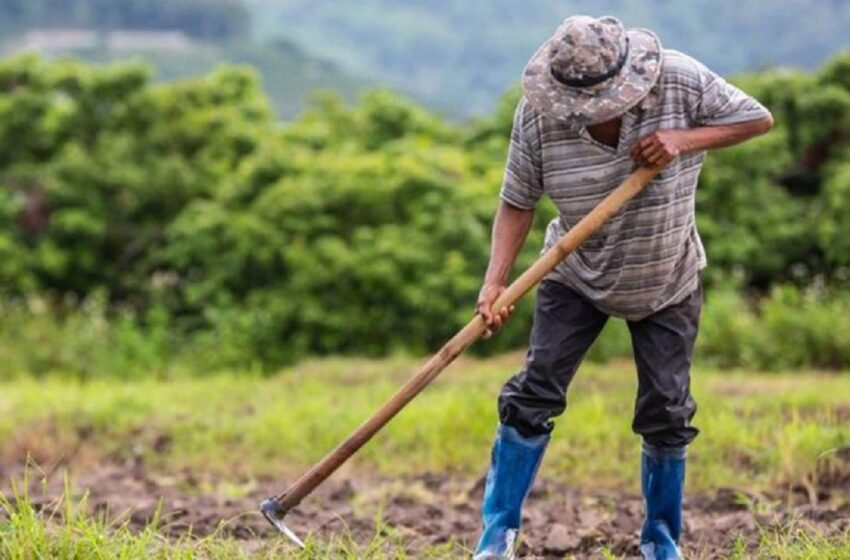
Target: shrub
185, 208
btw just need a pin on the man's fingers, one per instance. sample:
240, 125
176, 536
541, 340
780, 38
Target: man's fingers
657, 157
664, 157
643, 150
635, 153
497, 322
637, 149
667, 158
652, 150
661, 155
485, 314
649, 141
640, 158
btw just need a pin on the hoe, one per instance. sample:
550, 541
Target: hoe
275, 508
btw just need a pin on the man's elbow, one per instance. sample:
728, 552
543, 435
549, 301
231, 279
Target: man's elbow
763, 125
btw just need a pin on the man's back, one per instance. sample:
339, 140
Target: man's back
649, 255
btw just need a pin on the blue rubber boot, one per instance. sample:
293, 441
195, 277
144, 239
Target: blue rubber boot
662, 480
514, 462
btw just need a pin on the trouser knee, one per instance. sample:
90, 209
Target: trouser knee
530, 407
667, 424
565, 325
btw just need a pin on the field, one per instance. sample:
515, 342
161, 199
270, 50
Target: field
181, 274
174, 468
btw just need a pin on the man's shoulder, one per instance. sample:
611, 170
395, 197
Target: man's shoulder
679, 67
526, 113
533, 120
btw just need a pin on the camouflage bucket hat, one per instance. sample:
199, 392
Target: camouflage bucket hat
592, 70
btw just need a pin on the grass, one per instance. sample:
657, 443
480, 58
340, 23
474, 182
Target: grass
25, 535
64, 530
759, 432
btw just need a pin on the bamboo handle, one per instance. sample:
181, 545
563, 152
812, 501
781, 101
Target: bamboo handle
606, 209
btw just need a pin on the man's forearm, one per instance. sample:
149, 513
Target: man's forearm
662, 146
509, 232
711, 137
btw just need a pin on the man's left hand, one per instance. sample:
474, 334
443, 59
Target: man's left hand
659, 148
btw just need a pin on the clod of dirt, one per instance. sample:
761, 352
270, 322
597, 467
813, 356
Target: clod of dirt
561, 540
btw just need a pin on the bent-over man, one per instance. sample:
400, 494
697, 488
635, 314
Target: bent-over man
598, 100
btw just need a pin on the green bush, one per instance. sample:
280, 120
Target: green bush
186, 209
791, 328
82, 343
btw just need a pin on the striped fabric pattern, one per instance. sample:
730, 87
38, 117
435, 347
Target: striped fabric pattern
649, 255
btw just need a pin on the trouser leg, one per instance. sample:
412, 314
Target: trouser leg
663, 345
565, 325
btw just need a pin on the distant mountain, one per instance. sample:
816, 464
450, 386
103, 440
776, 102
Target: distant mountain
461, 55
289, 74
180, 38
212, 20
456, 56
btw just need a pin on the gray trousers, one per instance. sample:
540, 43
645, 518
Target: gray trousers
565, 325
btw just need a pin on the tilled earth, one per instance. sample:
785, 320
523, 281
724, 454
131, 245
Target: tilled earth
422, 511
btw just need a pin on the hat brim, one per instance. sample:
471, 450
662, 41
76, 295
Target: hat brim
600, 103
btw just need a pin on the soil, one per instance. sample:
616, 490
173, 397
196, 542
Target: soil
429, 510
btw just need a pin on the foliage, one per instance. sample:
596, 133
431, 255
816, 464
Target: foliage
362, 230
833, 214
790, 329
99, 163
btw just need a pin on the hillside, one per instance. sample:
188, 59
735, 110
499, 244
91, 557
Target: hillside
457, 58
180, 38
460, 56
289, 74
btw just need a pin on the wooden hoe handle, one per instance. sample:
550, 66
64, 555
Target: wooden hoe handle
606, 209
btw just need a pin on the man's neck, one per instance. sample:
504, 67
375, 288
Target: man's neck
607, 133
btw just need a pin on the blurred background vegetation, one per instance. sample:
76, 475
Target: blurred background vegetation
149, 225
457, 57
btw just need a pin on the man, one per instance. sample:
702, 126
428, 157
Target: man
599, 100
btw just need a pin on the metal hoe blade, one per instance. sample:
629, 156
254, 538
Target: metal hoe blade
272, 511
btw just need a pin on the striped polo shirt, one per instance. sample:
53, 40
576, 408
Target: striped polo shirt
649, 255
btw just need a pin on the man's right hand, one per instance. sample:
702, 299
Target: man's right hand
486, 298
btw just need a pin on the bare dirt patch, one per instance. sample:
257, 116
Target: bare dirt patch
429, 510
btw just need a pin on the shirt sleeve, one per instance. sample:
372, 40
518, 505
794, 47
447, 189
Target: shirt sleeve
718, 102
522, 186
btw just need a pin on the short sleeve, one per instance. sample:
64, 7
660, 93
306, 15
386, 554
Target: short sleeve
719, 102
522, 186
